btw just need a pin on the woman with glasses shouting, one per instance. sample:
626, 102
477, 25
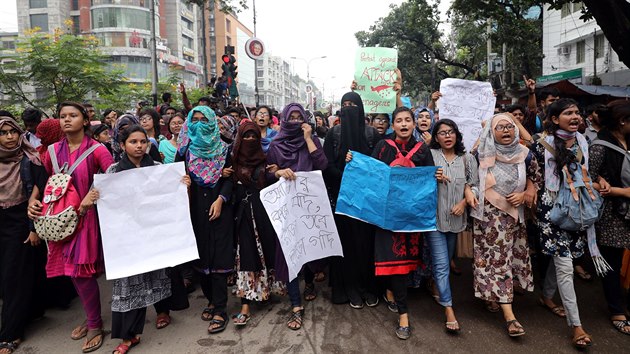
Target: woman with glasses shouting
262, 118
458, 191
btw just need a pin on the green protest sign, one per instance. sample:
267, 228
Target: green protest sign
375, 76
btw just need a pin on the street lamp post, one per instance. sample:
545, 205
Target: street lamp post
308, 73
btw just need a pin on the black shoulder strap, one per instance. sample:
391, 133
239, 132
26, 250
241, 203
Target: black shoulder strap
609, 145
25, 174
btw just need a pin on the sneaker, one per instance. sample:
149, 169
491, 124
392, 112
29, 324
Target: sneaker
371, 300
356, 306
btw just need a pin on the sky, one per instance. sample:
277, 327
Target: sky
300, 28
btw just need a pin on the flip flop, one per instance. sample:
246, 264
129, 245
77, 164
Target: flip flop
82, 328
162, 321
582, 338
222, 323
91, 334
241, 319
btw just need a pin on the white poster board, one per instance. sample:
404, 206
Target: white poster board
300, 213
467, 103
144, 218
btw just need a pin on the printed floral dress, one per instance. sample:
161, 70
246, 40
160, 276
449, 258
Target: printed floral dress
500, 251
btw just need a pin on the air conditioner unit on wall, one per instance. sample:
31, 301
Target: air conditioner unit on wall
565, 50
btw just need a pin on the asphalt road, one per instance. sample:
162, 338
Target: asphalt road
340, 329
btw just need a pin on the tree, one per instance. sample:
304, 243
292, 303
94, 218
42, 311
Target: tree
60, 66
512, 24
226, 6
612, 16
412, 28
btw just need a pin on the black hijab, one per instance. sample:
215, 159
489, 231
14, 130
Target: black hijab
352, 128
126, 164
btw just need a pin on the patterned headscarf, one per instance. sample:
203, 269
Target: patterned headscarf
498, 166
417, 134
201, 143
11, 191
125, 119
230, 125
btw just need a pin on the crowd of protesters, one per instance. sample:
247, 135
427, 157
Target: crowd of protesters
501, 191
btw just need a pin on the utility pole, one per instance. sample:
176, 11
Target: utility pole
489, 47
153, 48
255, 60
204, 58
594, 53
504, 66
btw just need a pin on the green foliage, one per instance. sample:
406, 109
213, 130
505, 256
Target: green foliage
62, 66
412, 28
226, 6
511, 24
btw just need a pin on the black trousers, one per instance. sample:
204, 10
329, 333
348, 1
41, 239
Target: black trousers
18, 272
612, 282
179, 295
398, 284
214, 287
126, 325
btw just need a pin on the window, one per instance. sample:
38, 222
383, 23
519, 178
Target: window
261, 73
76, 29
41, 21
228, 25
228, 40
188, 42
8, 45
121, 17
37, 4
187, 23
599, 46
75, 5
566, 10
580, 52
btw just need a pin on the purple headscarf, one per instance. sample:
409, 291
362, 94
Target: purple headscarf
289, 147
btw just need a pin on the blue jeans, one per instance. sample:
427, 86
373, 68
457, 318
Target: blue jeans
442, 245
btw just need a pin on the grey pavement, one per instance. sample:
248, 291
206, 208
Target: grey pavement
332, 328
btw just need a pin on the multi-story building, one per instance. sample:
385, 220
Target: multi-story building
222, 30
123, 28
578, 50
278, 86
7, 49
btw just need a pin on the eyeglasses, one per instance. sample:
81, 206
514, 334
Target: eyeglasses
262, 114
11, 132
506, 127
380, 120
444, 133
145, 118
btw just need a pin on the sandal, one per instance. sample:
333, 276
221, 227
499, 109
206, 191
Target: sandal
162, 321
241, 319
514, 328
297, 317
80, 331
403, 332
10, 346
492, 306
556, 310
222, 323
207, 314
620, 324
583, 274
90, 335
309, 292
582, 341
452, 327
124, 348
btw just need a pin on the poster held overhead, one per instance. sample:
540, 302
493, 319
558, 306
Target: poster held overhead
467, 103
375, 75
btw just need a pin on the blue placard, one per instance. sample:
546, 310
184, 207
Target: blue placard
393, 198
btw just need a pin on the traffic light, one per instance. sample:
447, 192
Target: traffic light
225, 66
232, 70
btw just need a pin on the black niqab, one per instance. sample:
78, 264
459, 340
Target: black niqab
352, 129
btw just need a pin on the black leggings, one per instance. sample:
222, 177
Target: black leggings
398, 285
611, 281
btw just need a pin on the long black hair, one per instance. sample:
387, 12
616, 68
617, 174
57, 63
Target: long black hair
563, 156
459, 138
155, 117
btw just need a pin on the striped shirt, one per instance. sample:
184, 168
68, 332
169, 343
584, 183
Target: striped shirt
460, 174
